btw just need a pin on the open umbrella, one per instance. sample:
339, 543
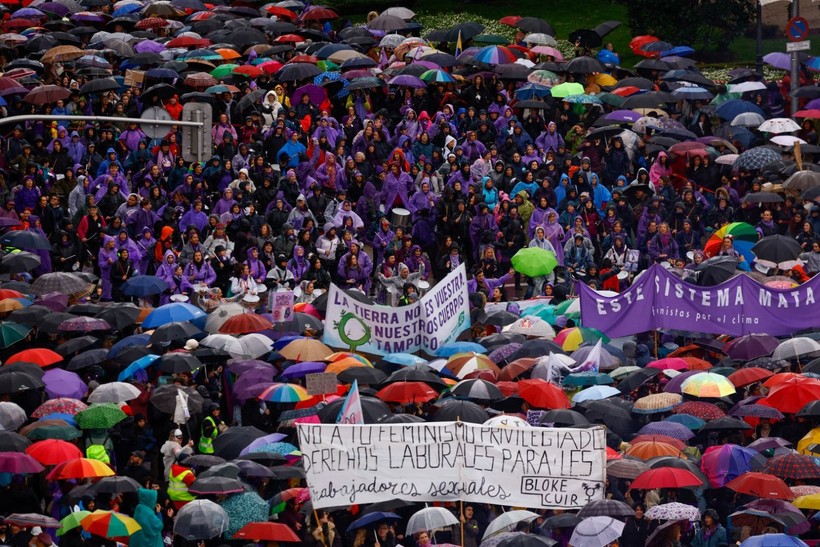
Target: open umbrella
596, 532
201, 519
430, 519
534, 261
777, 251
761, 485
665, 477
110, 524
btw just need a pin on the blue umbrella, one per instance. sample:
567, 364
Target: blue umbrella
125, 10
404, 359
692, 422
731, 109
172, 313
774, 540
370, 519
595, 393
608, 58
68, 418
530, 91
275, 448
285, 340
587, 379
680, 51
127, 342
459, 347
145, 285
140, 364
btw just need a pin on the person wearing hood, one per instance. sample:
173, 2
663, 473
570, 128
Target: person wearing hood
198, 271
290, 155
395, 284
146, 244
550, 139
298, 265
482, 230
171, 272
344, 213
662, 247
150, 534
110, 157
711, 533
660, 168
299, 214
257, 268
225, 203
121, 271
397, 186
194, 218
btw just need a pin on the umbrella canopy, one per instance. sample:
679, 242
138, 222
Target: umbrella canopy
110, 524
761, 485
430, 519
201, 519
665, 477
596, 532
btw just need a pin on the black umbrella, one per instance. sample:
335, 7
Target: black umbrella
165, 398
499, 318
643, 100
13, 442
777, 251
177, 363
535, 24
278, 471
75, 344
716, 270
467, 31
585, 37
131, 354
535, 348
30, 316
216, 486
403, 419
465, 411
146, 58
203, 460
116, 485
364, 375
297, 71
173, 331
606, 27
416, 373
807, 92
15, 381
606, 132
23, 239
120, 316
533, 104
635, 81
564, 520
19, 262
160, 91
512, 71
637, 379
612, 415
812, 409
88, 310
502, 339
584, 65
652, 64
87, 359
373, 410
227, 469
766, 197
51, 323
564, 417
230, 443
265, 458
32, 369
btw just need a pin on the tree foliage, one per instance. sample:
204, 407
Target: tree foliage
702, 24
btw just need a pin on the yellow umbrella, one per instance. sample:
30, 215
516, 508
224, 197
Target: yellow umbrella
10, 304
812, 501
605, 79
812, 437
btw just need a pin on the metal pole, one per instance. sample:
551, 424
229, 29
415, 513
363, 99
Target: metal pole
795, 74
759, 41
196, 117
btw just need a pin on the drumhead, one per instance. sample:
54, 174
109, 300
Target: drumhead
623, 274
179, 298
400, 212
424, 285
261, 288
250, 298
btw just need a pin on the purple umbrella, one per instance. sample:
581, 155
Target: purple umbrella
262, 441
301, 369
241, 367
149, 46
5, 221
670, 429
19, 463
249, 391
317, 94
55, 7
503, 352
84, 324
87, 17
64, 384
623, 116
54, 301
783, 61
407, 80
27, 13
674, 385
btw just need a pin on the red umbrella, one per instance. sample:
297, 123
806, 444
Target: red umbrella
281, 12
511, 20
295, 38
508, 388
699, 409
6, 83
266, 531
53, 451
188, 41
318, 13
626, 91
407, 392
612, 454
761, 485
638, 42
151, 23
793, 466
792, 395
271, 67
542, 394
41, 356
245, 323
746, 376
781, 377
248, 70
666, 477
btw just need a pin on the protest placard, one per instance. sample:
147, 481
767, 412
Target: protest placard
321, 383
448, 461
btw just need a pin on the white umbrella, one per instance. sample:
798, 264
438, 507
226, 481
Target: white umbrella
794, 348
727, 159
223, 342
255, 345
623, 371
12, 416
506, 420
596, 532
201, 519
786, 140
400, 12
114, 392
508, 519
540, 39
220, 315
746, 86
429, 519
391, 41
595, 393
748, 119
779, 125
532, 326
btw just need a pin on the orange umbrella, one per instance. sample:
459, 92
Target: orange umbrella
344, 364
653, 449
697, 364
228, 53
80, 468
516, 368
542, 394
41, 356
677, 443
305, 349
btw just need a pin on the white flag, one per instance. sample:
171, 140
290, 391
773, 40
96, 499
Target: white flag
181, 412
593, 361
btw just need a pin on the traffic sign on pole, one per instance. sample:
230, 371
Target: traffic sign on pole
197, 142
797, 29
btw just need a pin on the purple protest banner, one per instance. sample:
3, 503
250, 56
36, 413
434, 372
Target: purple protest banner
660, 300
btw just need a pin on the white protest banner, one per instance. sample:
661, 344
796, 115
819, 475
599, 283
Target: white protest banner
436, 319
448, 461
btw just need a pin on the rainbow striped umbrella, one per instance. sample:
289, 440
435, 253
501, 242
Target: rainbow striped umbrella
708, 384
571, 339
72, 521
439, 76
110, 524
284, 393
495, 55
743, 234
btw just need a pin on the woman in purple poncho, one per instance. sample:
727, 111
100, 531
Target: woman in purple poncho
106, 258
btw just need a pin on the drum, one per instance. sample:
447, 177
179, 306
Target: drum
260, 288
179, 298
250, 298
400, 217
424, 286
201, 287
623, 274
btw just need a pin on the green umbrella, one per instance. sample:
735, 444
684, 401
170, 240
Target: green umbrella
223, 71
63, 432
492, 39
72, 521
567, 89
100, 416
534, 261
11, 333
327, 66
